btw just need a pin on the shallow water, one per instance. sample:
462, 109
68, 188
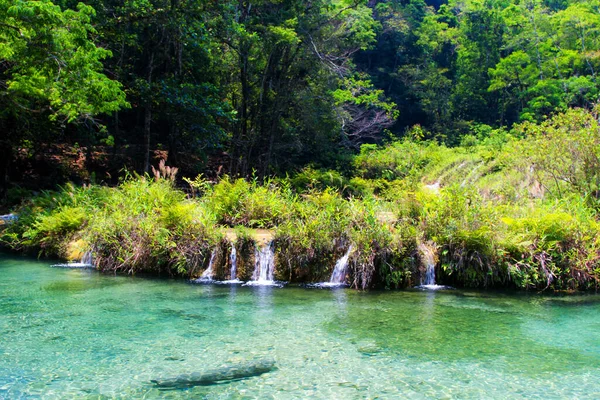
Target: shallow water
79, 334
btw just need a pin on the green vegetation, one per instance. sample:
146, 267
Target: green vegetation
268, 88
494, 215
469, 127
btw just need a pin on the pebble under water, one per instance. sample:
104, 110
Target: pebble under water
80, 334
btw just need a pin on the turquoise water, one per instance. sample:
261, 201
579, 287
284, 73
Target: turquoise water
79, 334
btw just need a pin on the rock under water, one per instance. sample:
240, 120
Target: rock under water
221, 375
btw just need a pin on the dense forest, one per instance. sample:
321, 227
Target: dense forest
268, 87
469, 128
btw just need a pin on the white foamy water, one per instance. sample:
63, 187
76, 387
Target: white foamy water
428, 258
87, 261
207, 275
338, 277
233, 260
264, 267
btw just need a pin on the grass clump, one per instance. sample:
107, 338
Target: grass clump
240, 202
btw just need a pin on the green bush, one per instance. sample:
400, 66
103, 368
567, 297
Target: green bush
247, 203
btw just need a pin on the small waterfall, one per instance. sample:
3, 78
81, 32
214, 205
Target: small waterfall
233, 260
471, 176
87, 261
87, 258
8, 219
427, 251
264, 264
338, 277
208, 273
428, 257
264, 267
233, 271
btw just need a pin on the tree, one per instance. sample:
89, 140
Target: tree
50, 67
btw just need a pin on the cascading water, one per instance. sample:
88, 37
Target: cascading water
208, 273
264, 267
471, 176
233, 260
338, 277
233, 271
87, 261
87, 258
427, 252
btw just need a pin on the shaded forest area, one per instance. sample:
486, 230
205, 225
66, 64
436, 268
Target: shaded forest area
268, 87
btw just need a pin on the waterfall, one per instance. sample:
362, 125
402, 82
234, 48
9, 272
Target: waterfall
427, 251
338, 277
233, 271
233, 260
264, 264
208, 273
470, 176
87, 261
8, 219
264, 267
428, 258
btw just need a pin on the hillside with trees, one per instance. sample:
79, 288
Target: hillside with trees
269, 87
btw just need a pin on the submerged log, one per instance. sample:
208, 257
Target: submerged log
221, 375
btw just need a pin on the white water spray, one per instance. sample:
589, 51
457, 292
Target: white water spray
233, 271
208, 273
264, 267
338, 277
87, 261
428, 258
233, 260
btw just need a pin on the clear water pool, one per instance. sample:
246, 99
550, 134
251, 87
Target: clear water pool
80, 334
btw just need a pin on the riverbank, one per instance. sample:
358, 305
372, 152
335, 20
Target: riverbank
148, 226
511, 209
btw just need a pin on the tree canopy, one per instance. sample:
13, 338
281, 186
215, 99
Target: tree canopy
267, 86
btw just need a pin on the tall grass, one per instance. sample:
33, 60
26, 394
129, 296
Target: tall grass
498, 211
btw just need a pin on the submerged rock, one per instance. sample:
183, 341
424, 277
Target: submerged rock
212, 377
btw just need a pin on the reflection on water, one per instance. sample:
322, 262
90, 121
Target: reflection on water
341, 300
79, 334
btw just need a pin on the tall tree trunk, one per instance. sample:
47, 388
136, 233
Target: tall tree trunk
5, 169
7, 149
173, 148
148, 117
241, 131
240, 136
